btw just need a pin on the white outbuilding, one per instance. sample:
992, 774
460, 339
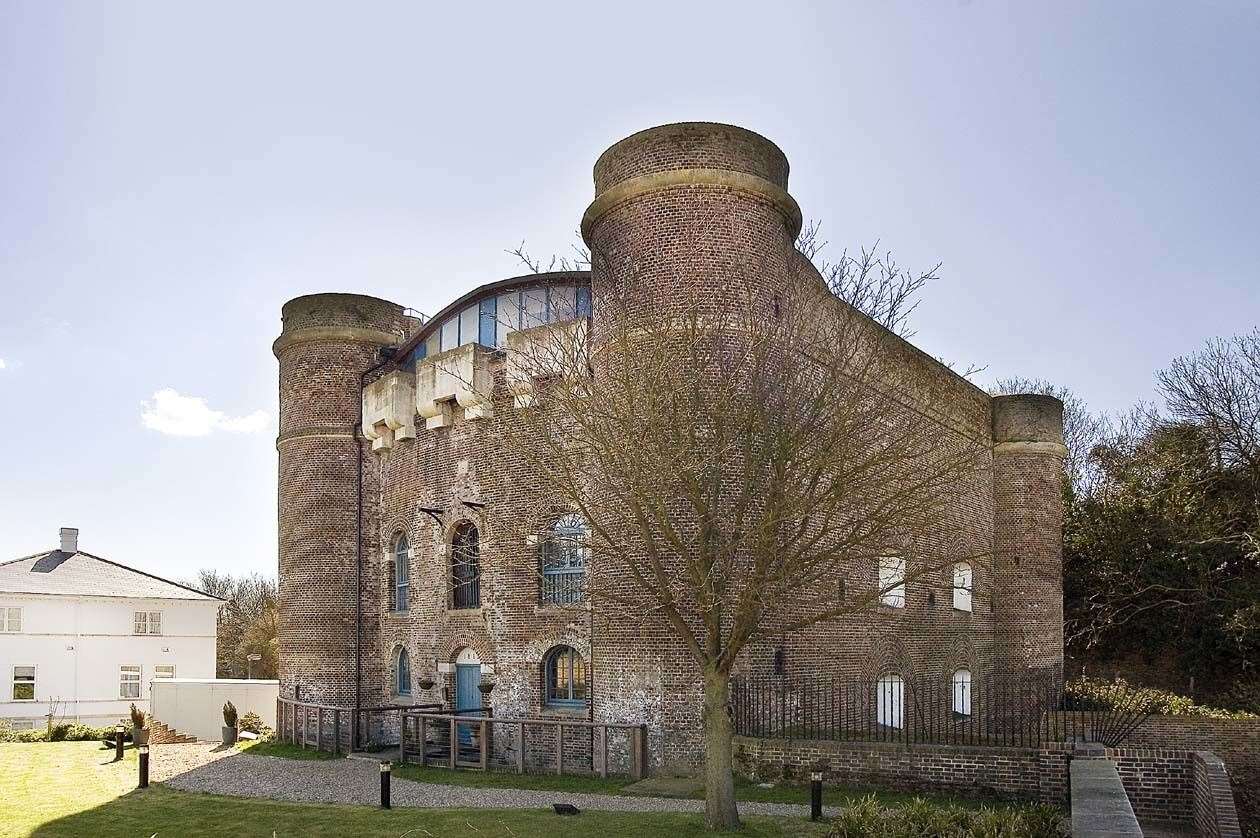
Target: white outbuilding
82, 638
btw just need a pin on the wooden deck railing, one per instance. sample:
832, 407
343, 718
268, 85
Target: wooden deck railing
430, 737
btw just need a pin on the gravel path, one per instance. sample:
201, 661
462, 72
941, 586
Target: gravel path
207, 768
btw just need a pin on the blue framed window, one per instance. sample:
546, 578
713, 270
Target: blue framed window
402, 681
566, 678
402, 572
489, 321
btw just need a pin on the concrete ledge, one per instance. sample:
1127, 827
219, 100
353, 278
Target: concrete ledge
1100, 806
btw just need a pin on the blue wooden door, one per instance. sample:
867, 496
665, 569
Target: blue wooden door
467, 697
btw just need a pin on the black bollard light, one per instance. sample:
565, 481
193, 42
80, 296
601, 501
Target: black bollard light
144, 766
385, 770
119, 730
815, 795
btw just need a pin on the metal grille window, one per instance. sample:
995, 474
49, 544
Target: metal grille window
402, 679
962, 586
148, 622
564, 553
961, 687
465, 567
892, 581
10, 619
129, 682
566, 678
23, 683
402, 572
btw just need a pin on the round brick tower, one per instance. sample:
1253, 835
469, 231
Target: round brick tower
685, 216
1028, 454
326, 343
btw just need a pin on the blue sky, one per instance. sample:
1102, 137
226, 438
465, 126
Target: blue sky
171, 173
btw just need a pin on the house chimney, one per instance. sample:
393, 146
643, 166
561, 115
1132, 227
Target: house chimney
69, 540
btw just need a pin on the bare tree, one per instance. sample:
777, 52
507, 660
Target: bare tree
734, 457
248, 622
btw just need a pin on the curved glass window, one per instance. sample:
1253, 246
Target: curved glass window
489, 321
564, 553
565, 672
465, 566
402, 672
402, 572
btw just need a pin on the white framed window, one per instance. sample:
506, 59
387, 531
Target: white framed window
533, 307
890, 690
23, 724
148, 622
469, 324
961, 684
129, 682
10, 619
164, 670
450, 333
892, 581
23, 683
962, 586
507, 316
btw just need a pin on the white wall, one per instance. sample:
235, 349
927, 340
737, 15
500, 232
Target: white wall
79, 644
195, 706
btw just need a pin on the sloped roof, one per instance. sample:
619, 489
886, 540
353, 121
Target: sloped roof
82, 574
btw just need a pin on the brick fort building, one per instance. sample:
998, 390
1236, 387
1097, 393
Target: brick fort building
402, 582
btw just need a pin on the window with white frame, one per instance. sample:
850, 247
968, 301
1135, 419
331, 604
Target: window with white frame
24, 683
889, 692
892, 581
10, 619
164, 670
961, 683
129, 682
148, 622
23, 724
962, 586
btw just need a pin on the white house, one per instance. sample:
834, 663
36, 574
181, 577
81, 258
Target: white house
83, 637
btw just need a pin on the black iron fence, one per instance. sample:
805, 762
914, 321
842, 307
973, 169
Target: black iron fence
1017, 711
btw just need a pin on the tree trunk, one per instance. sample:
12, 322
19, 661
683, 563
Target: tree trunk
719, 782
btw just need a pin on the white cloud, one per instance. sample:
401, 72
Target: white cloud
171, 413
3, 365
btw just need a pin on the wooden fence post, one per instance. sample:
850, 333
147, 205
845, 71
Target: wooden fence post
485, 729
336, 732
603, 750
559, 748
454, 742
319, 729
520, 748
424, 733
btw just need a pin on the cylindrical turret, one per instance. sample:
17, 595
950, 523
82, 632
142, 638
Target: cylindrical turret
690, 211
1028, 454
327, 341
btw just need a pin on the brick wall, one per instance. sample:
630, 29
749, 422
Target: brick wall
1159, 782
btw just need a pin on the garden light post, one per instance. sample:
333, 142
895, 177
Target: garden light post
144, 766
815, 795
118, 742
249, 665
385, 770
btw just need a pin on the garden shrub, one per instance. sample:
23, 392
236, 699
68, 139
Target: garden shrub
865, 817
251, 722
62, 732
1096, 693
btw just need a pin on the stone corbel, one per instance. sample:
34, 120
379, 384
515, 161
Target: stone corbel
460, 376
389, 409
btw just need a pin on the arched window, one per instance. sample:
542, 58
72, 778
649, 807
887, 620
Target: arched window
402, 672
961, 683
565, 676
465, 567
402, 572
889, 692
962, 586
564, 552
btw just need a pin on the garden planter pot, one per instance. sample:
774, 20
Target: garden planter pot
140, 736
485, 688
229, 735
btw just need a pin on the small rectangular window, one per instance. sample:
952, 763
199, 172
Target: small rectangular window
892, 581
507, 316
23, 724
23, 683
129, 682
469, 321
488, 322
164, 670
962, 586
450, 333
148, 622
10, 619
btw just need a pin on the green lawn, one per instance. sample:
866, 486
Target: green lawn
75, 789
